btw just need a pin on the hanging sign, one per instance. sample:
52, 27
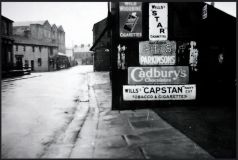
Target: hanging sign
130, 19
158, 21
193, 56
157, 53
159, 92
158, 75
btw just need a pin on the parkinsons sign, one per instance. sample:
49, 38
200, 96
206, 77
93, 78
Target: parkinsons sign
130, 19
158, 75
158, 21
157, 53
159, 92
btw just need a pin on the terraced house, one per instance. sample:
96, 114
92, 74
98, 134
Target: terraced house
39, 45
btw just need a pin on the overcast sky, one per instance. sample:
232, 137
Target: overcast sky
77, 18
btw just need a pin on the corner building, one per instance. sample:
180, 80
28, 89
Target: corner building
175, 38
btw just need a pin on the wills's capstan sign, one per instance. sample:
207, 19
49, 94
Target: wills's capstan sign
159, 92
158, 75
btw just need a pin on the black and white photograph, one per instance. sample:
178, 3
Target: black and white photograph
118, 80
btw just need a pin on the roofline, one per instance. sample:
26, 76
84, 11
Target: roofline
28, 44
104, 30
101, 35
6, 18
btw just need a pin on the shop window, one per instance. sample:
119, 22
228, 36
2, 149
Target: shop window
39, 62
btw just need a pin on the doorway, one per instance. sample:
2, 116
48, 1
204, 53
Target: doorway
32, 65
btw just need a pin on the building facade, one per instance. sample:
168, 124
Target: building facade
41, 45
6, 45
37, 55
101, 46
69, 54
83, 55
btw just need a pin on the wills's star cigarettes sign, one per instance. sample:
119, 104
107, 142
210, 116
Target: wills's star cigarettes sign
158, 21
159, 92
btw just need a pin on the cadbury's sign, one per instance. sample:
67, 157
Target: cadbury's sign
158, 75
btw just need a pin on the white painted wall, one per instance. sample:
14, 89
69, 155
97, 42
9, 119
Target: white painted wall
29, 55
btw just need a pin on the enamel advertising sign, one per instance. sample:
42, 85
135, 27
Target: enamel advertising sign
158, 21
130, 19
158, 75
204, 12
159, 92
157, 53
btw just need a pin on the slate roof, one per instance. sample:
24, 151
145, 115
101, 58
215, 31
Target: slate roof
27, 41
28, 23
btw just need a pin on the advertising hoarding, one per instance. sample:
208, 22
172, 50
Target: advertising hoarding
158, 75
159, 92
130, 19
157, 53
158, 21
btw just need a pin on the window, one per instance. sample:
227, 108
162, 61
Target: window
51, 51
39, 62
16, 47
33, 48
40, 48
24, 48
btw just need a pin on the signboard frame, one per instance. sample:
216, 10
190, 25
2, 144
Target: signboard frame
158, 75
130, 19
158, 92
157, 53
158, 21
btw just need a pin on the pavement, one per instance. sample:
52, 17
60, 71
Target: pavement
127, 134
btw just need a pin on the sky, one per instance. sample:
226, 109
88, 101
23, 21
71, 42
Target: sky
228, 7
77, 18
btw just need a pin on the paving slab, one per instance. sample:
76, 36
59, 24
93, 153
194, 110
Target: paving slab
84, 148
118, 153
179, 149
110, 142
148, 124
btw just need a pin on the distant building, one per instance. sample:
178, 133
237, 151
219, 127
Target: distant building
70, 55
39, 45
101, 42
61, 39
6, 44
83, 55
